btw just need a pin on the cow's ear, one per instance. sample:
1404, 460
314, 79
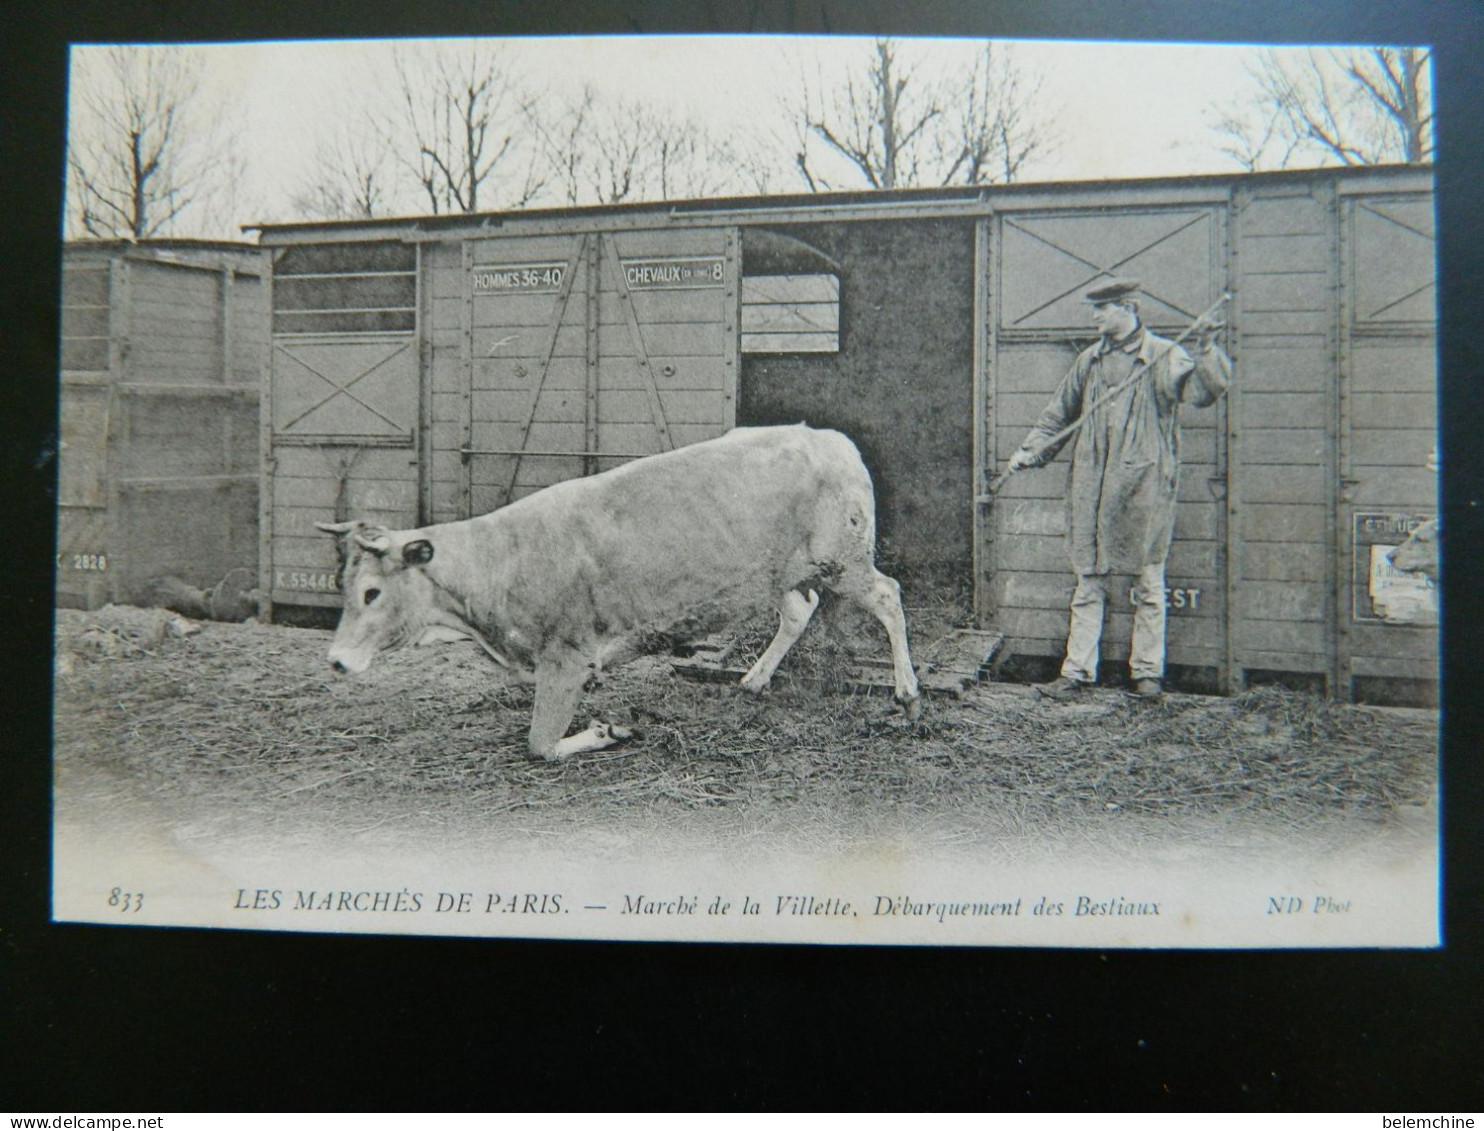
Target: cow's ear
417, 553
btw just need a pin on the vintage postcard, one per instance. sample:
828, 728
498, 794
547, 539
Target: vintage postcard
751, 489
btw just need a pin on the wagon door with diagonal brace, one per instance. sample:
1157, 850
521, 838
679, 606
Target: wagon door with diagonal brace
342, 409
584, 351
1388, 438
1041, 258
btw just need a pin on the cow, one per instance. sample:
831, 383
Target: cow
1419, 553
593, 572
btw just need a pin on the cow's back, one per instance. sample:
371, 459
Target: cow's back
687, 538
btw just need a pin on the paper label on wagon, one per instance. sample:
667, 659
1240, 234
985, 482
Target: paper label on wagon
1383, 592
518, 278
660, 274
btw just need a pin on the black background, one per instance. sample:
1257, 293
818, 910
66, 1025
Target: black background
146, 1019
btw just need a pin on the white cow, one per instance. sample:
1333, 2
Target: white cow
593, 572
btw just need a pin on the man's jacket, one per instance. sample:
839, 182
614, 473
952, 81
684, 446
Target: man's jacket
1127, 455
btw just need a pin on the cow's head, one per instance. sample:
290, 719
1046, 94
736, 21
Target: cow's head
389, 599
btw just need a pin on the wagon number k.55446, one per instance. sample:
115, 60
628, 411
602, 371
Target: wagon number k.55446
312, 581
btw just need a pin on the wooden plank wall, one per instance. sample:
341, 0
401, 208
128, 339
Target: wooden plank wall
84, 523
486, 352
175, 324
510, 337
192, 528
324, 483
162, 360
1282, 411
689, 338
445, 303
1388, 412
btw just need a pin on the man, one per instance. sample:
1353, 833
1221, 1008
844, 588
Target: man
1124, 467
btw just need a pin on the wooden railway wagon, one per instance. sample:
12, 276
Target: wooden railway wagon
164, 345
429, 369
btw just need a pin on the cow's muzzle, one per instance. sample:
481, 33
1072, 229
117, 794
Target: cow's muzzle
347, 662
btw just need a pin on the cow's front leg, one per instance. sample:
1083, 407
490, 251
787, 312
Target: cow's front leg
558, 690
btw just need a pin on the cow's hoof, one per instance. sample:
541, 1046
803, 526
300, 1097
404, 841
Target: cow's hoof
754, 686
912, 708
609, 732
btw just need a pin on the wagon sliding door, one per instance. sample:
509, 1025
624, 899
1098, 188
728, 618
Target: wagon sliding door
1388, 429
341, 423
1040, 262
585, 351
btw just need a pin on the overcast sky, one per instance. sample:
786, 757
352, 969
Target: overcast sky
1121, 110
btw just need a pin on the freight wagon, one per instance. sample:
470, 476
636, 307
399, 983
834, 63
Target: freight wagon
163, 354
428, 369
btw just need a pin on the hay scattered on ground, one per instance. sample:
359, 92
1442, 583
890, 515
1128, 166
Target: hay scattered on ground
247, 724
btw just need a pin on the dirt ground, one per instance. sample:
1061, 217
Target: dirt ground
241, 731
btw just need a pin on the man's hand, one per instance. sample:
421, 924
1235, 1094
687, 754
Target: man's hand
1205, 331
1021, 460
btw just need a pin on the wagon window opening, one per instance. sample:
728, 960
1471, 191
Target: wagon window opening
790, 314
85, 318
357, 288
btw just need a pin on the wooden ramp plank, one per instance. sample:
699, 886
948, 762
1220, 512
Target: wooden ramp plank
946, 667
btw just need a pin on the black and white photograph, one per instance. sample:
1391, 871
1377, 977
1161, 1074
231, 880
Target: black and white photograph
754, 489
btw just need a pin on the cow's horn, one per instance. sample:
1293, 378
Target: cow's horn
378, 545
337, 528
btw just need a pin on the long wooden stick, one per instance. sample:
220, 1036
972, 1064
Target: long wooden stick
998, 481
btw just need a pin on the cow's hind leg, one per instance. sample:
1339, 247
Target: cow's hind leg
881, 596
558, 690
794, 612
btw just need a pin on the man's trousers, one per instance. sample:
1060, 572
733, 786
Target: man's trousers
1089, 605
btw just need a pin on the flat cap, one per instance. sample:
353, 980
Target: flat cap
1111, 290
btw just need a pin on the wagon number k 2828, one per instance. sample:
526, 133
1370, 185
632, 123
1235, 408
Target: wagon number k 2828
93, 563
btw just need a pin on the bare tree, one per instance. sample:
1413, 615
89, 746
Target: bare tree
1354, 107
992, 130
562, 138
690, 161
144, 144
895, 124
350, 180
459, 127
626, 151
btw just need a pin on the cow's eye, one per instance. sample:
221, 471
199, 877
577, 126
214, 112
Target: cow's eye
371, 595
